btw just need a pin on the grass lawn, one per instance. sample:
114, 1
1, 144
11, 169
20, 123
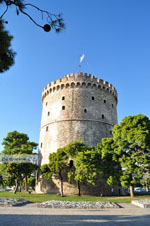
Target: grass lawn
45, 197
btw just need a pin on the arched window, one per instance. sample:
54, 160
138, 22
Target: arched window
67, 85
78, 84
72, 85
63, 107
103, 116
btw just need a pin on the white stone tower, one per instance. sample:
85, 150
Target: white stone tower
76, 107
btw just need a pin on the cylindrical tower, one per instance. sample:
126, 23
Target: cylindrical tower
76, 107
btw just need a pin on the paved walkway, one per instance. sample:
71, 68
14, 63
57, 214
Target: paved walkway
30, 215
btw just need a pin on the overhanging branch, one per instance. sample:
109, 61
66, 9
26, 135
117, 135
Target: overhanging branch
53, 20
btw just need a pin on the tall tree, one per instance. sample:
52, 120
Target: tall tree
6, 53
110, 167
74, 151
87, 165
18, 143
57, 163
59, 160
132, 138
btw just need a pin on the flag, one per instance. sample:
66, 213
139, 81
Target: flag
82, 57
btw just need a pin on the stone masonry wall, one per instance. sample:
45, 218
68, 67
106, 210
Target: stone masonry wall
79, 109
75, 107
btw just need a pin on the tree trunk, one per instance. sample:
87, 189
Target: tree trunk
79, 190
61, 185
16, 188
26, 184
20, 186
131, 191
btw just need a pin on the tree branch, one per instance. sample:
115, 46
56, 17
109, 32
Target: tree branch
4, 12
55, 21
30, 18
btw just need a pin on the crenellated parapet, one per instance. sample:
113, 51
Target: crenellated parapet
79, 80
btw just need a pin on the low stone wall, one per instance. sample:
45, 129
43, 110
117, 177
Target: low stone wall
77, 205
143, 203
12, 202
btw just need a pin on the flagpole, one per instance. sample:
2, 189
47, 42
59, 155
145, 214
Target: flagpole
79, 68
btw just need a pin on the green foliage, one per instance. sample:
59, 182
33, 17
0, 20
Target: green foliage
52, 20
6, 53
31, 182
45, 170
133, 132
1, 180
57, 161
110, 180
86, 165
133, 148
125, 158
18, 143
110, 168
73, 148
70, 175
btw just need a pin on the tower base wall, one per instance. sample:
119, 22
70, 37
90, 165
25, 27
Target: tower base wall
52, 186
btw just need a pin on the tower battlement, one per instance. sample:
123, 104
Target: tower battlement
79, 80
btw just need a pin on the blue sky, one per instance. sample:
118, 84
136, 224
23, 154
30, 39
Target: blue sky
114, 35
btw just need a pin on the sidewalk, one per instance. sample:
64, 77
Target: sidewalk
33, 216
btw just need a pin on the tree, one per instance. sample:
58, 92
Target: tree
86, 162
87, 165
132, 138
60, 160
73, 148
1, 180
57, 163
53, 21
18, 143
31, 182
6, 53
74, 151
110, 167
